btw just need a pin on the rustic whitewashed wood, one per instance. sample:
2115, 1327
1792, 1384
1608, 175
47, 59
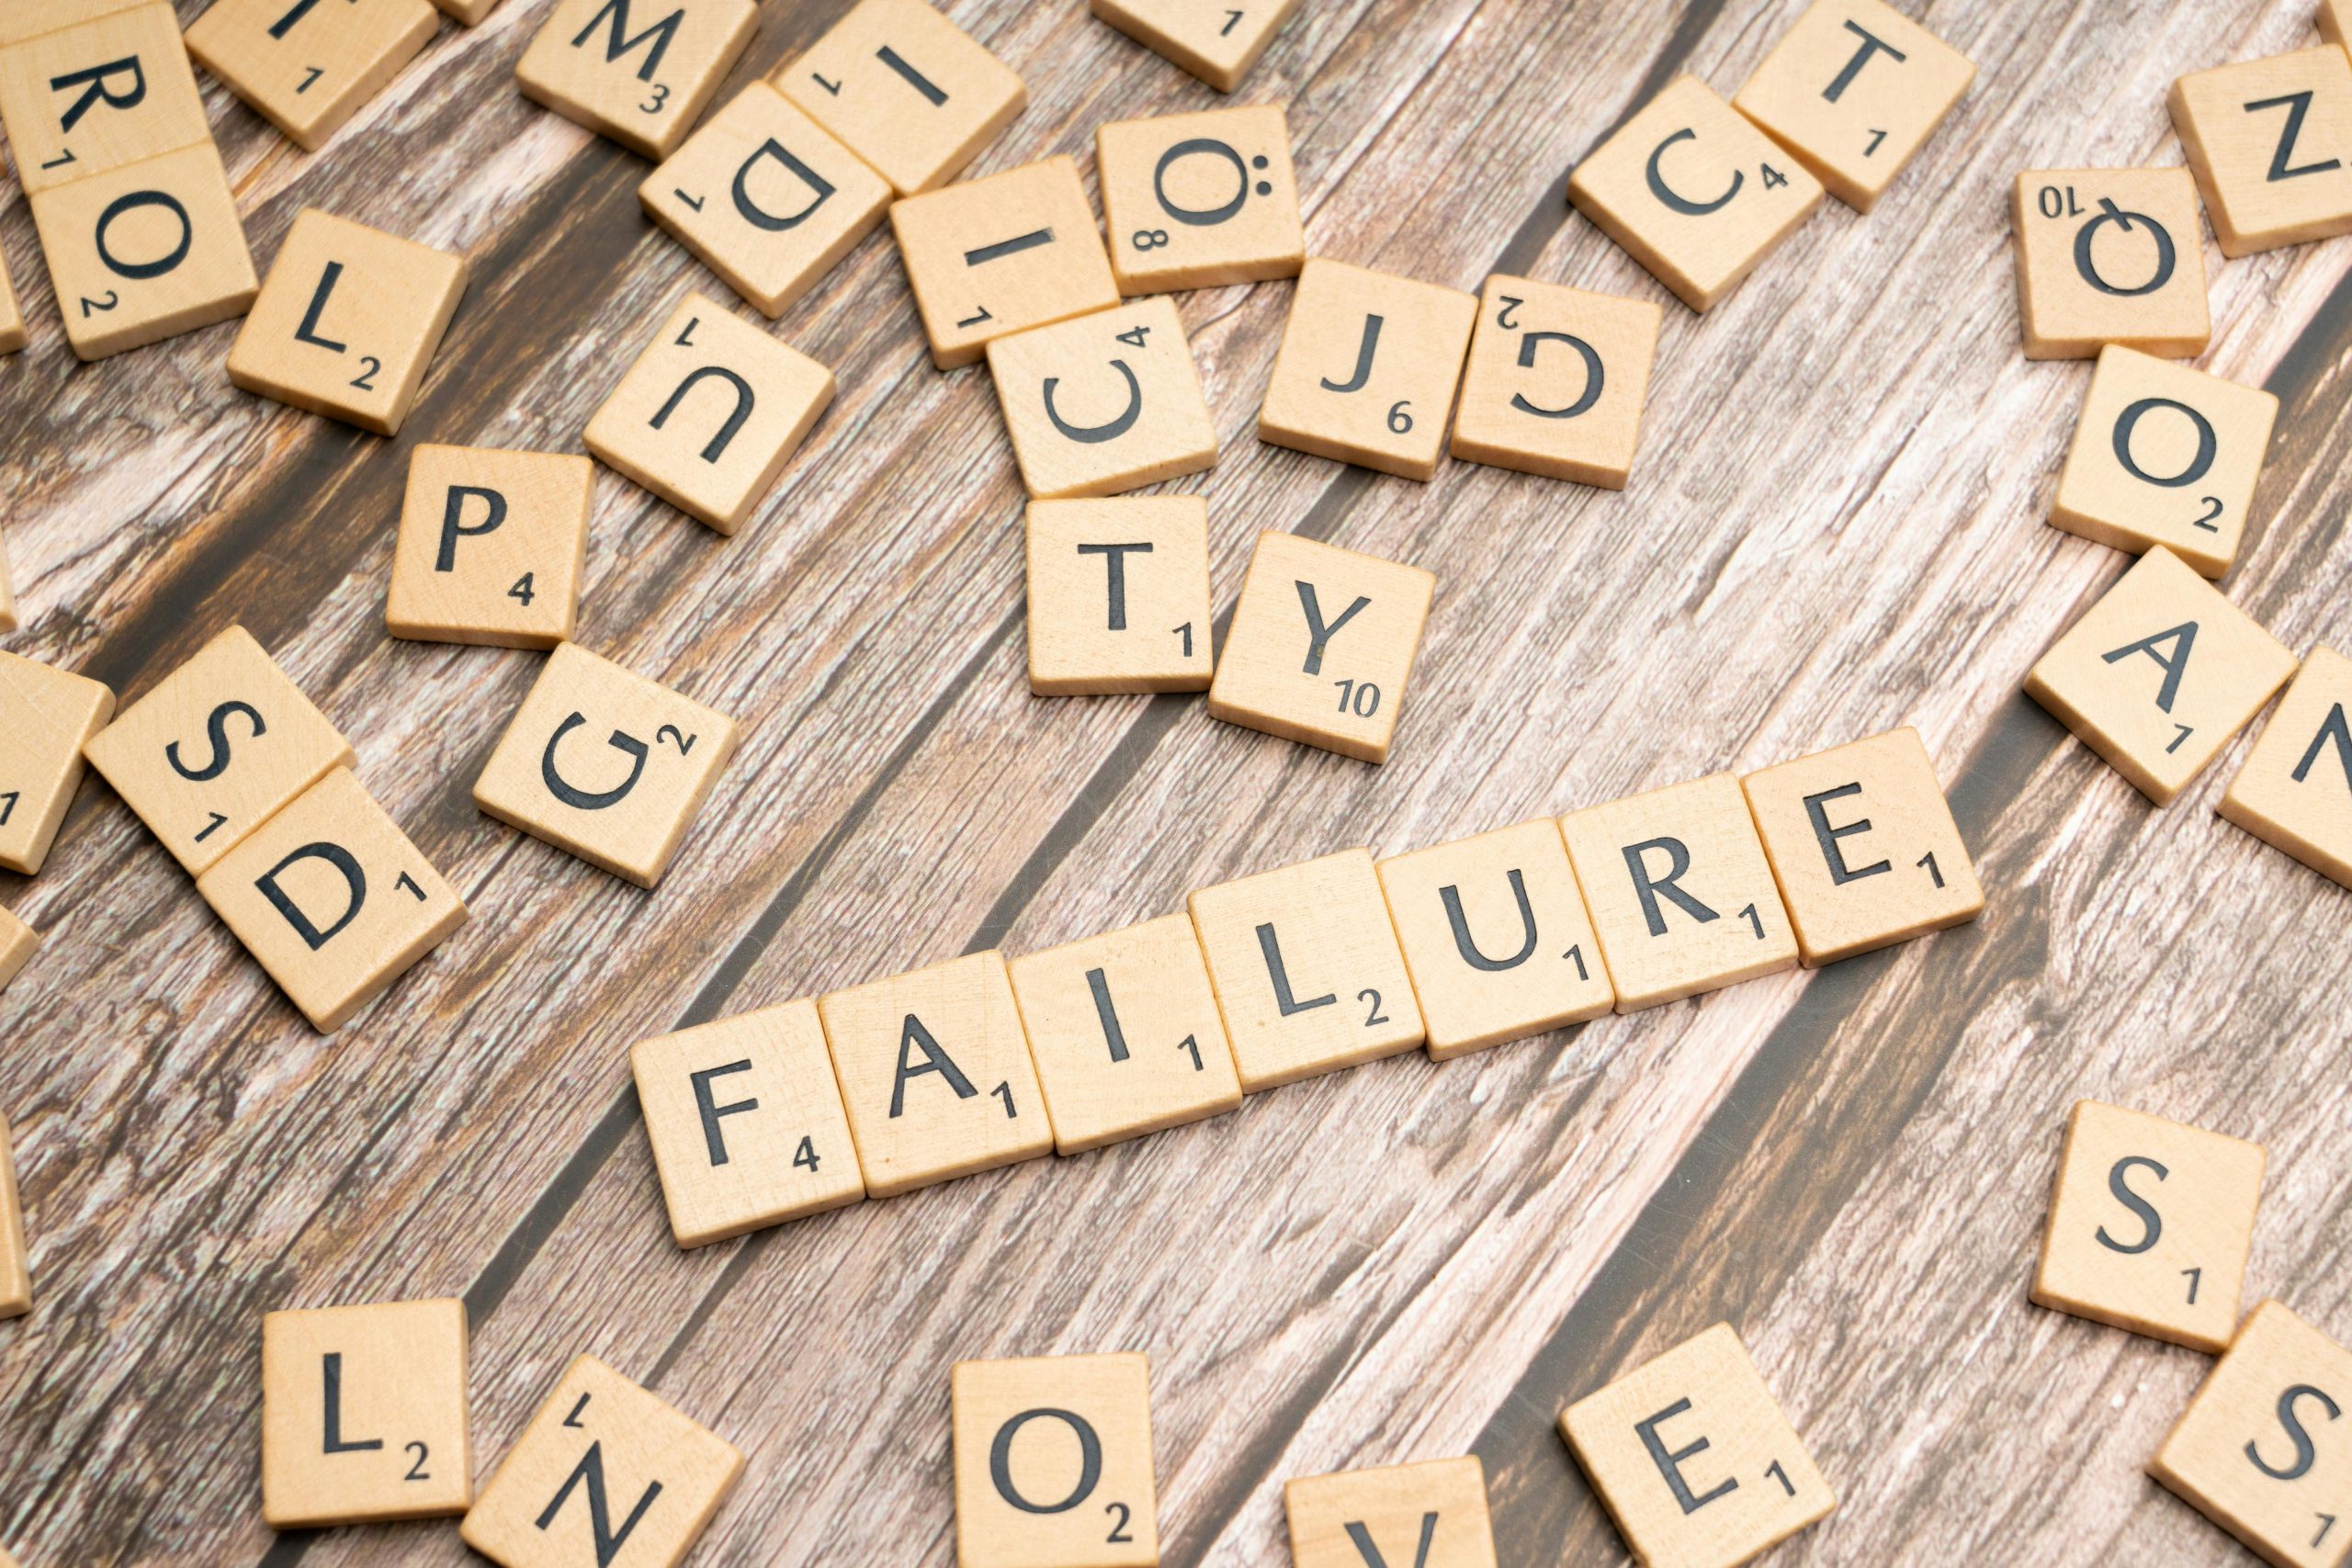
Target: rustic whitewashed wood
1836, 527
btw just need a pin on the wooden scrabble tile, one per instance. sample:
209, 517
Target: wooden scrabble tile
1322, 644
2149, 1225
746, 1123
47, 713
2158, 675
642, 86
363, 1415
20, 22
765, 198
1681, 895
17, 942
490, 546
2257, 1451
145, 252
1495, 933
1103, 404
347, 323
1693, 1458
2268, 142
604, 1469
935, 1073
1555, 381
709, 414
1432, 1513
904, 89
2165, 455
1119, 596
1863, 847
471, 13
1307, 969
1693, 192
1194, 200
1367, 368
605, 764
1001, 255
1053, 1463
16, 1268
2295, 791
1217, 43
216, 749
331, 899
91, 98
307, 67
13, 337
2110, 256
1853, 92
2336, 22
1124, 1033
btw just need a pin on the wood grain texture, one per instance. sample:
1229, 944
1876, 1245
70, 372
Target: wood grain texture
1836, 527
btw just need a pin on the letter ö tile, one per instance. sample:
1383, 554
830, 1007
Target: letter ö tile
2257, 1450
1432, 1513
2110, 256
2150, 1224
216, 749
1119, 596
363, 1415
347, 321
904, 89
935, 1073
639, 73
1694, 1458
490, 546
333, 900
1196, 200
709, 414
1103, 404
746, 1123
1053, 1463
1001, 255
605, 1473
1367, 368
2295, 791
1308, 976
605, 764
765, 199
307, 66
48, 715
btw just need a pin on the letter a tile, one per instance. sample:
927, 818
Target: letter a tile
1495, 933
765, 199
1002, 255
2110, 256
2270, 143
490, 546
1104, 403
1853, 92
1863, 847
363, 1415
746, 1123
936, 1072
347, 323
145, 252
1053, 1463
640, 74
1432, 1513
605, 1473
1321, 644
1556, 381
2258, 1450
1307, 972
2158, 675
89, 100
48, 715
709, 414
1367, 368
605, 764
1681, 892
15, 1272
306, 66
2165, 455
2149, 1225
906, 90
1694, 192
1693, 1458
331, 899
216, 749
2295, 791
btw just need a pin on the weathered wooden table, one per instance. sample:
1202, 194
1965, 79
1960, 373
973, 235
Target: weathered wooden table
1836, 525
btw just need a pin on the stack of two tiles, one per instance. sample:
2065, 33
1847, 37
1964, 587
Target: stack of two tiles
250, 789
126, 189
